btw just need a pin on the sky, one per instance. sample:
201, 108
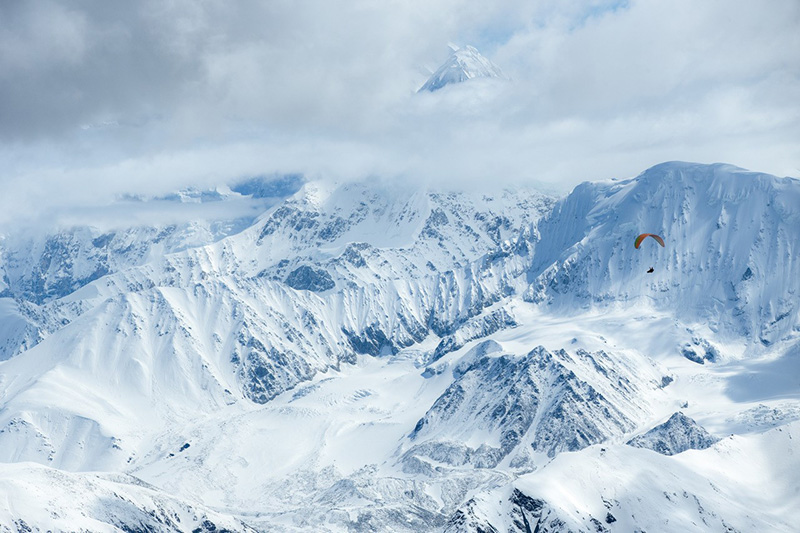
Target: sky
99, 99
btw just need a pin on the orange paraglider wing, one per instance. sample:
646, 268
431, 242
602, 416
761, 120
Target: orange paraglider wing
643, 236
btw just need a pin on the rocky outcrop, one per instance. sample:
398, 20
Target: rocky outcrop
534, 400
676, 435
306, 278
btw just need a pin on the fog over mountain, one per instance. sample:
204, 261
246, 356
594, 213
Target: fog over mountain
149, 98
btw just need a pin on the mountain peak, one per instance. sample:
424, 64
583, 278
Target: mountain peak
462, 65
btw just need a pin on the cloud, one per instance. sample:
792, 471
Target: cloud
147, 97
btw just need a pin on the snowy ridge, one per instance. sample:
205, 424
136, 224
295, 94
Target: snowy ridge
54, 500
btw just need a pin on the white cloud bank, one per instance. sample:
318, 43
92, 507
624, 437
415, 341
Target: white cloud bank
144, 97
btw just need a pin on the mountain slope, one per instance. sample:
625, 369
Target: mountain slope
731, 248
39, 498
742, 484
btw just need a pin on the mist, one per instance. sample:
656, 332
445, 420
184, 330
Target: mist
147, 98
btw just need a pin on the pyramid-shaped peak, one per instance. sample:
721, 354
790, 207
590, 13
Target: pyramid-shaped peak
463, 64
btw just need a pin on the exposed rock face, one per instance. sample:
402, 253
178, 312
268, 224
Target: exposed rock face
306, 278
467, 520
475, 328
676, 435
699, 351
524, 515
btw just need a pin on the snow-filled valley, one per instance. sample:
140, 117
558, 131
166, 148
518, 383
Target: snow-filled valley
378, 357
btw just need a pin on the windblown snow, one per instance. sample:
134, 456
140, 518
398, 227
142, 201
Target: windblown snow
375, 357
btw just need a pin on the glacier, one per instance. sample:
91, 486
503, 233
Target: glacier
376, 356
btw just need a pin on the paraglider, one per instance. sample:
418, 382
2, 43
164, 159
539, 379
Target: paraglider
643, 236
638, 242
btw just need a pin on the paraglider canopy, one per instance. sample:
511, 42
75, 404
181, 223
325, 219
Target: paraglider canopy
643, 236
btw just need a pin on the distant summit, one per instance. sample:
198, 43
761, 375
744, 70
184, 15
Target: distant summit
462, 65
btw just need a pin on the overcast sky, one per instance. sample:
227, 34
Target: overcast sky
98, 98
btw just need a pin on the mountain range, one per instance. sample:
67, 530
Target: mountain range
374, 356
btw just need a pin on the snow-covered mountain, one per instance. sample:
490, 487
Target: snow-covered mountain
377, 357
38, 269
463, 64
731, 248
